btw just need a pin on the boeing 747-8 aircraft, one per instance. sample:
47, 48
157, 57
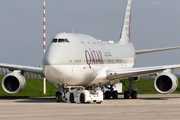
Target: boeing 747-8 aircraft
81, 60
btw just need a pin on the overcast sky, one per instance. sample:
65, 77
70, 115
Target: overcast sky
155, 24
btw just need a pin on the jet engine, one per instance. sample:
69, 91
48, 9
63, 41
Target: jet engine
14, 82
166, 82
136, 78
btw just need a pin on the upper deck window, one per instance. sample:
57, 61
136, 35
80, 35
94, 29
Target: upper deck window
60, 40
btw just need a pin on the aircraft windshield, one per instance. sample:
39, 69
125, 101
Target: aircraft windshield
60, 40
54, 40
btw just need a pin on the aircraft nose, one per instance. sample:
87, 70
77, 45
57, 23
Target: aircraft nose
49, 60
51, 57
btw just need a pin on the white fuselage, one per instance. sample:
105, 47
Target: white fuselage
79, 59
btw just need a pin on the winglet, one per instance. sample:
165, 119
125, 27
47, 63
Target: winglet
125, 33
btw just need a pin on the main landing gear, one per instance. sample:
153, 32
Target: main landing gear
130, 93
111, 93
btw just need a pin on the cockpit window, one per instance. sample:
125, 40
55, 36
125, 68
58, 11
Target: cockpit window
66, 40
60, 40
63, 40
54, 40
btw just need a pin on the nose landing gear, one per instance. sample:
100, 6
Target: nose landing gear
60, 95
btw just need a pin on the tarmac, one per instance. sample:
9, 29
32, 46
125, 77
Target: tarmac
145, 107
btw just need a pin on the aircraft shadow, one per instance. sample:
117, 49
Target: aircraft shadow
121, 97
13, 97
140, 99
26, 99
37, 100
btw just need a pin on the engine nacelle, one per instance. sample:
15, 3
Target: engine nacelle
13, 83
166, 82
136, 78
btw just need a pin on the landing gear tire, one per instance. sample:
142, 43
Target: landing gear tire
71, 98
107, 95
126, 95
82, 100
133, 94
58, 96
98, 102
115, 95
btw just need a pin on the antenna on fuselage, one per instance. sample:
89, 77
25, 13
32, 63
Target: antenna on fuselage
44, 39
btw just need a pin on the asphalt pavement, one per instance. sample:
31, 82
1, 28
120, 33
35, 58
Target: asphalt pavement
145, 107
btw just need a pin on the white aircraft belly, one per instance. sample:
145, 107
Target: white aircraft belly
70, 74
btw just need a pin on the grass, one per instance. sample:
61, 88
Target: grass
146, 86
34, 88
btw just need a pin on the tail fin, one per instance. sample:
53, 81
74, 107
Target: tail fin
125, 33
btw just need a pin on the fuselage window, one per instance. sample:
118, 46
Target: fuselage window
77, 61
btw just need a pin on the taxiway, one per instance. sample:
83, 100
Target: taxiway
148, 107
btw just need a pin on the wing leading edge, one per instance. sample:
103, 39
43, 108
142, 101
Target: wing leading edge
117, 73
155, 50
35, 70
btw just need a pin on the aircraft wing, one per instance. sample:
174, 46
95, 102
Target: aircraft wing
11, 67
156, 50
118, 73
